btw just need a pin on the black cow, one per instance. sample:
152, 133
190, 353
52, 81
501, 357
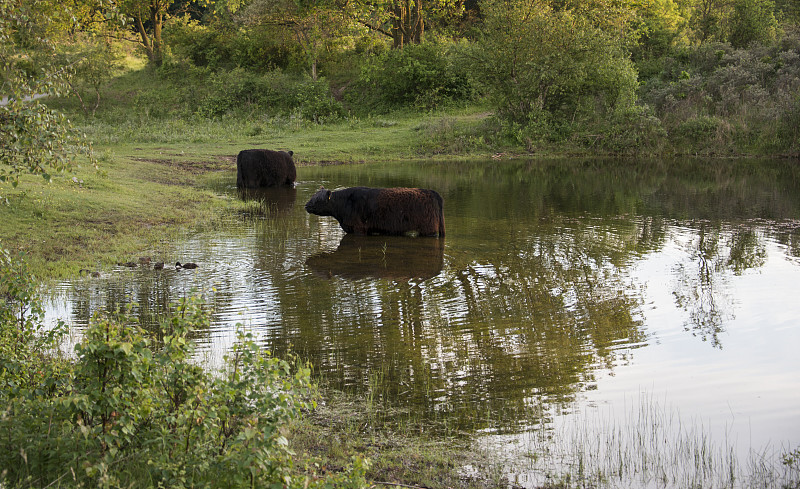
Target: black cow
393, 211
257, 168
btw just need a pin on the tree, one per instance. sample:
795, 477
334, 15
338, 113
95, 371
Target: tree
538, 62
403, 20
315, 25
408, 22
708, 17
752, 21
35, 139
659, 24
147, 19
92, 67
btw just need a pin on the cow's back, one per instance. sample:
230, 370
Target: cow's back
396, 211
264, 168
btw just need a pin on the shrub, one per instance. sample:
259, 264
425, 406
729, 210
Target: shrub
29, 363
213, 94
419, 75
273, 92
788, 134
632, 131
131, 412
753, 21
261, 48
550, 71
703, 130
748, 95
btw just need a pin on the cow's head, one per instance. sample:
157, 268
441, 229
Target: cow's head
320, 203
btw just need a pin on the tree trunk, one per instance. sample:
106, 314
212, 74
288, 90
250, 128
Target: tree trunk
157, 17
145, 39
419, 23
153, 46
399, 25
408, 23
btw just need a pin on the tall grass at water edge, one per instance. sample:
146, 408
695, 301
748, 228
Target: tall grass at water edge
653, 447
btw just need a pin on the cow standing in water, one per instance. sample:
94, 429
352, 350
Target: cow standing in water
256, 168
392, 211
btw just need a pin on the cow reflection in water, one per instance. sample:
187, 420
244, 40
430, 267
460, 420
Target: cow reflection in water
273, 200
392, 257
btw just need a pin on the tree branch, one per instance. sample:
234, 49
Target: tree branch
376, 29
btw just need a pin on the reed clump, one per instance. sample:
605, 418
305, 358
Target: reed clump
651, 446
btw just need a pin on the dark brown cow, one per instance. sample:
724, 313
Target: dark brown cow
256, 168
394, 211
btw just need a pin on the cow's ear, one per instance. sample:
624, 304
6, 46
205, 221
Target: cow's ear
329, 195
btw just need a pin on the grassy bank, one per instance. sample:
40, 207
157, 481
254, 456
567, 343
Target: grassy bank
154, 181
137, 204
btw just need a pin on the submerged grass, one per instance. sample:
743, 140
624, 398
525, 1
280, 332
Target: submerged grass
402, 450
654, 446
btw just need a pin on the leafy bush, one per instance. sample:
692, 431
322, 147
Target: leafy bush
130, 412
753, 21
632, 131
29, 362
550, 70
261, 48
747, 94
186, 90
703, 131
272, 92
418, 75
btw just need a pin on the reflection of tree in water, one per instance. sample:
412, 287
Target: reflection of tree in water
788, 234
701, 284
526, 303
147, 296
523, 320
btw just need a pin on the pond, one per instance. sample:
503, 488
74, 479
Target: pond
564, 290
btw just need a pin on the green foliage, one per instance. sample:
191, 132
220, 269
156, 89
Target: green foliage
91, 67
752, 21
24, 343
273, 92
657, 26
184, 91
547, 69
259, 48
128, 412
419, 75
703, 133
630, 131
788, 136
35, 139
716, 98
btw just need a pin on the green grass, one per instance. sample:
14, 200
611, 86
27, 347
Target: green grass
388, 137
400, 449
137, 204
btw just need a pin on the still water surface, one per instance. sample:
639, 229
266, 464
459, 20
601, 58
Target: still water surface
561, 287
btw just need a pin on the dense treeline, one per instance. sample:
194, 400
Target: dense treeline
615, 76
